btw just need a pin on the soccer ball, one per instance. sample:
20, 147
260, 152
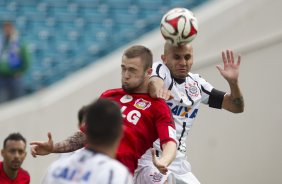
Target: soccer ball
179, 26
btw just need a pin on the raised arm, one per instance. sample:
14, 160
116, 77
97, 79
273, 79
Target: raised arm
234, 101
156, 89
74, 142
168, 155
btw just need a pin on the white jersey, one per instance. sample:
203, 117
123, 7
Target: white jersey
188, 96
85, 167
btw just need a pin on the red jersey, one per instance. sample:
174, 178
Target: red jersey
22, 177
145, 120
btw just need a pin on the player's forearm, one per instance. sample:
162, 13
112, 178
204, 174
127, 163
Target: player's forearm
155, 85
169, 153
234, 101
72, 143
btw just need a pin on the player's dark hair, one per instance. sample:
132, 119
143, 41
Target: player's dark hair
103, 122
80, 114
14, 137
140, 51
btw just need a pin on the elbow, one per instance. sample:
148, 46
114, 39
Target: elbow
241, 110
238, 110
241, 107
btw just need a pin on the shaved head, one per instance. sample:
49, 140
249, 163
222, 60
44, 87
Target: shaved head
178, 58
168, 47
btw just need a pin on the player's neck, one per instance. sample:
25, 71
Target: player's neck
107, 150
179, 80
143, 88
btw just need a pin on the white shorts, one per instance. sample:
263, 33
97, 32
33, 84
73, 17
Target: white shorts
179, 171
149, 175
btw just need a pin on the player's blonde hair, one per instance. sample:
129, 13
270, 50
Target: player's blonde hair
140, 51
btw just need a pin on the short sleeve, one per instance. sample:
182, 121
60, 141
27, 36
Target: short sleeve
210, 95
160, 70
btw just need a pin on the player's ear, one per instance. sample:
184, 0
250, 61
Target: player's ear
2, 153
149, 72
163, 58
25, 153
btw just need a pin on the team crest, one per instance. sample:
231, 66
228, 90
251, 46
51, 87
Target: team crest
156, 177
142, 104
126, 99
193, 89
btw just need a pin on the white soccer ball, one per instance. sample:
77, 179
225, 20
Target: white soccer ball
179, 26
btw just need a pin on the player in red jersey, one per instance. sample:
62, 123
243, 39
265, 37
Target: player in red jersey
145, 119
13, 154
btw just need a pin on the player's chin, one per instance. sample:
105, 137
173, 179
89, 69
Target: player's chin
16, 165
126, 88
182, 75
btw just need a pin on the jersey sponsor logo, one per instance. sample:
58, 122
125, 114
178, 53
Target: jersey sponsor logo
126, 99
71, 174
131, 116
192, 89
182, 111
142, 104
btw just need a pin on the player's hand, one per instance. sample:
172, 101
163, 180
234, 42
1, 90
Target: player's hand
164, 94
42, 148
230, 70
158, 163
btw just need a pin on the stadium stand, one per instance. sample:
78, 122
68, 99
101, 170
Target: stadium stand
67, 35
223, 148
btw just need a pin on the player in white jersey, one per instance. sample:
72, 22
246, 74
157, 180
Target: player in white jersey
184, 91
95, 164
87, 166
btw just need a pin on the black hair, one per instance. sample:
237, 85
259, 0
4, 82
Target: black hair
103, 122
80, 114
14, 137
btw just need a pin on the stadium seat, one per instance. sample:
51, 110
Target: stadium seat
87, 3
119, 3
125, 15
66, 35
149, 4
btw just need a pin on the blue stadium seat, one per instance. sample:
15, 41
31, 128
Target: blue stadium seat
62, 13
8, 11
65, 35
180, 3
119, 3
21, 23
61, 3
149, 4
94, 14
25, 2
87, 3
125, 15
